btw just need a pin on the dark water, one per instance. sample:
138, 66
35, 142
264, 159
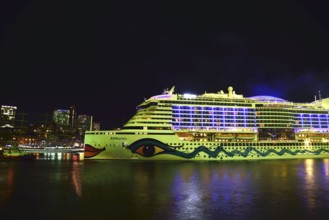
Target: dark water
72, 189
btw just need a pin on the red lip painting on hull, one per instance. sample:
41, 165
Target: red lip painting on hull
90, 151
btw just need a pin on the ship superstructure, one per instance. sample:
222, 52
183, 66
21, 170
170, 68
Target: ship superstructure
216, 126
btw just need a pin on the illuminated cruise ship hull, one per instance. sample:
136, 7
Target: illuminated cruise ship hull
153, 148
216, 127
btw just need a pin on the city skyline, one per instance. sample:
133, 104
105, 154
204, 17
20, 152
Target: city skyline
61, 127
106, 58
69, 117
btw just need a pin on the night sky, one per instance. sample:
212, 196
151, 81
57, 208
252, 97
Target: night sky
105, 57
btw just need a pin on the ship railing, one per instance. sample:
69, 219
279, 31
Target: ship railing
234, 130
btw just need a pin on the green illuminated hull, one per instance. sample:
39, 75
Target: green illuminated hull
170, 147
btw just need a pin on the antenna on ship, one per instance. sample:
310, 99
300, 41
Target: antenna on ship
319, 95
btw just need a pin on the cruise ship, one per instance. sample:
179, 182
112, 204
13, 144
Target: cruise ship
216, 126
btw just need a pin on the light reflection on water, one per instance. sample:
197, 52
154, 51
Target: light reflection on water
312, 185
58, 156
75, 189
325, 167
309, 186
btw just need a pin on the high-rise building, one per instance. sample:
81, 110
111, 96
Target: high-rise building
96, 126
7, 116
61, 117
84, 122
73, 117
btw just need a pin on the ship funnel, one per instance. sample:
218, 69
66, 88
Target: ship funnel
325, 103
230, 91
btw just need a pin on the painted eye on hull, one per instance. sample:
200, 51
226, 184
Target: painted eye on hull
148, 150
148, 147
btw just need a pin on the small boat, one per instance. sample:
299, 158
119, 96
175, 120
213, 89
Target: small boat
15, 154
51, 149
